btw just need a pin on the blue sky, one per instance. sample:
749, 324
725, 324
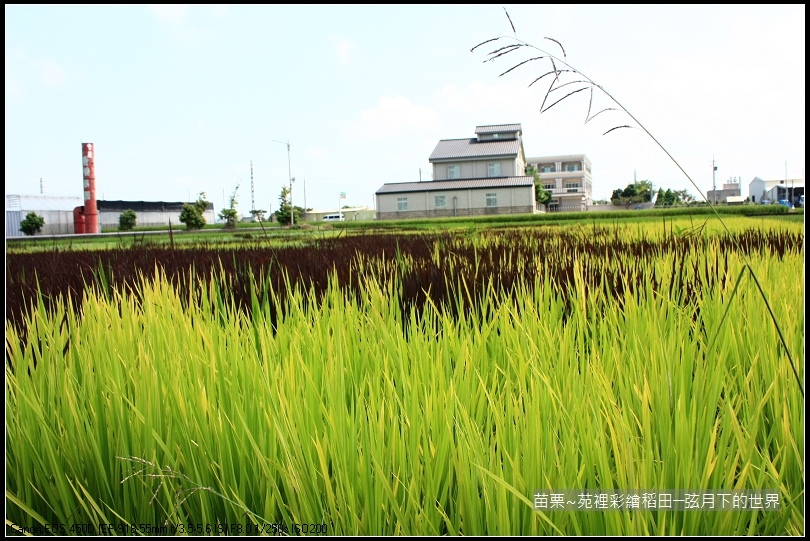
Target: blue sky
179, 99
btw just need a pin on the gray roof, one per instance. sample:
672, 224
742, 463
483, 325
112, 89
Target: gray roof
497, 128
448, 149
462, 184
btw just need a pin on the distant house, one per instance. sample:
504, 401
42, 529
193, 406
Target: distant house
730, 189
568, 178
474, 176
775, 190
57, 212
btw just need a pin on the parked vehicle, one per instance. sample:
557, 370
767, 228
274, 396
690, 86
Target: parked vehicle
334, 218
786, 203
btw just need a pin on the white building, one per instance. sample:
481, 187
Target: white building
772, 191
475, 176
568, 178
57, 212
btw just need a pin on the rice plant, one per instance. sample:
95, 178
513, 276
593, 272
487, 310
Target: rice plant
527, 361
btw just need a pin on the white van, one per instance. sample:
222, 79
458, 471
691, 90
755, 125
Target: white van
334, 218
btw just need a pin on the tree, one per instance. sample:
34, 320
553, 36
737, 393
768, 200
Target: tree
671, 198
229, 214
127, 220
684, 197
32, 224
635, 192
284, 208
541, 195
192, 213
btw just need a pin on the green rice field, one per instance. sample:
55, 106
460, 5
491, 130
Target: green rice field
433, 382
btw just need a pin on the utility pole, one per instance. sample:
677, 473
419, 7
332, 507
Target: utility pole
790, 199
42, 190
292, 179
714, 182
252, 192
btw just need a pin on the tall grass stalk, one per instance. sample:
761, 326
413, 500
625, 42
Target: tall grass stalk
561, 71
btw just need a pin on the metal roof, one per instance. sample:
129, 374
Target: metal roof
461, 184
498, 128
144, 206
42, 202
448, 149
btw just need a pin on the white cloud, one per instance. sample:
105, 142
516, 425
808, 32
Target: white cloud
345, 49
190, 25
14, 87
52, 73
510, 100
173, 14
395, 115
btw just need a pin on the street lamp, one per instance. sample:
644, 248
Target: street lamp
289, 175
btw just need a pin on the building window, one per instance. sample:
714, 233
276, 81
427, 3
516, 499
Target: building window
440, 202
547, 168
549, 186
453, 171
402, 203
496, 135
492, 199
493, 169
571, 167
572, 186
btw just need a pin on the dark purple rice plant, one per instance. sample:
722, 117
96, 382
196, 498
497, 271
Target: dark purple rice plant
565, 76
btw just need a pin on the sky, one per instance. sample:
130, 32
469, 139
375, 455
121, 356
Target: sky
181, 99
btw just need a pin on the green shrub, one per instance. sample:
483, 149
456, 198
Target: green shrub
32, 224
192, 214
127, 220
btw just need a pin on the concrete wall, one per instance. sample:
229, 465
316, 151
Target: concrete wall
486, 211
57, 222
468, 202
110, 219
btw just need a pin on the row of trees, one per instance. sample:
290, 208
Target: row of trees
671, 198
642, 192
193, 217
636, 192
